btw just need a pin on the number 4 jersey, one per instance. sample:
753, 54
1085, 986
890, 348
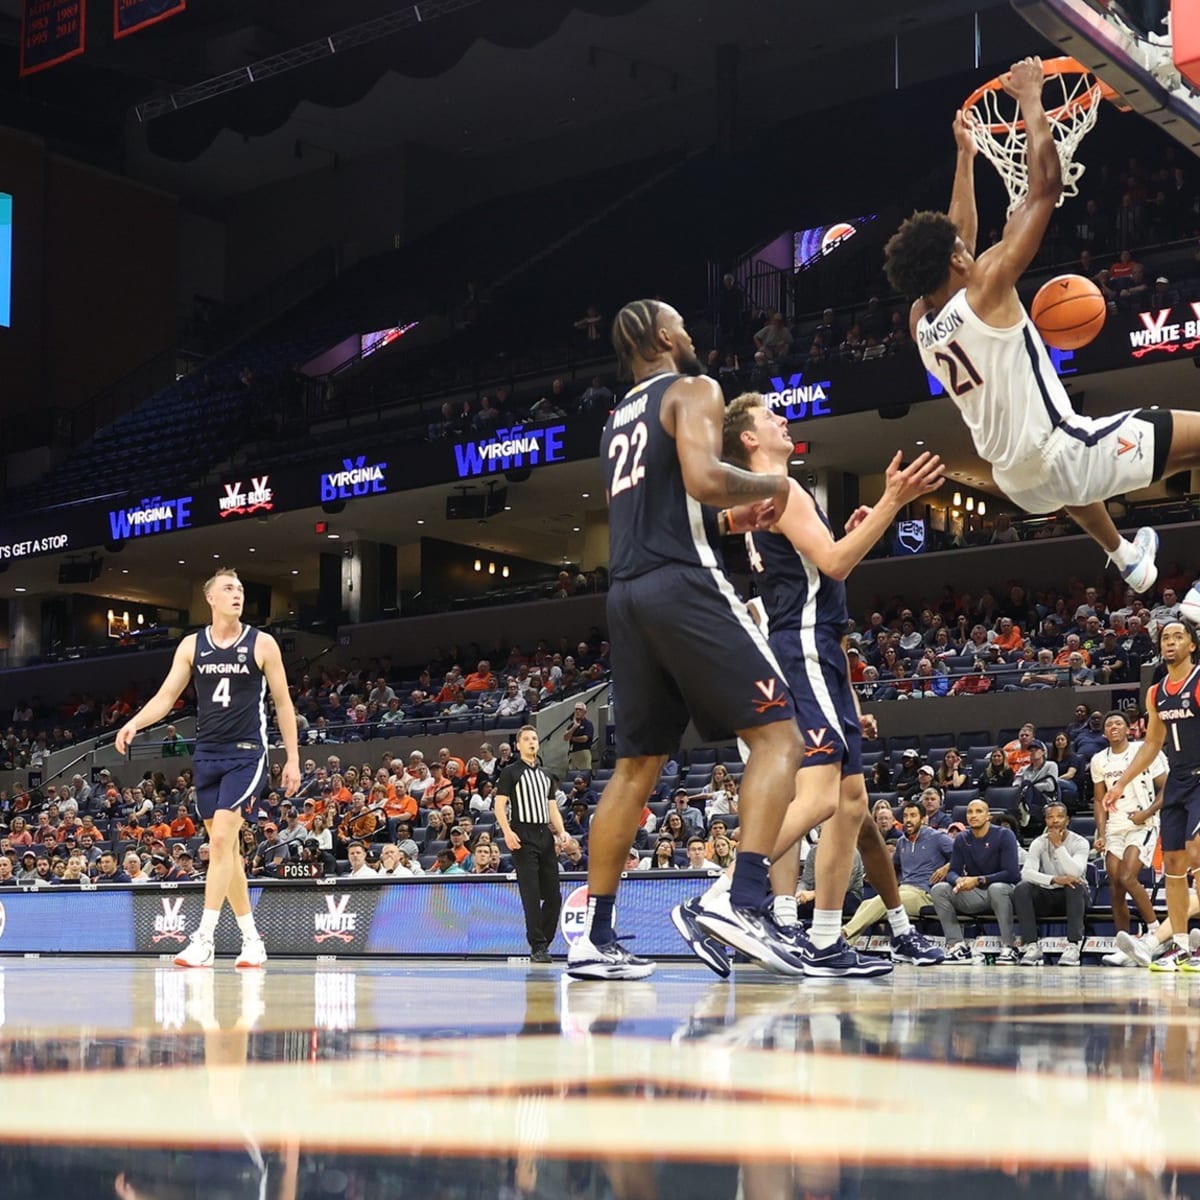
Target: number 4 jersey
652, 521
231, 691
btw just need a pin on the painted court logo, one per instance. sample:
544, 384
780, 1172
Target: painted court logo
171, 924
336, 922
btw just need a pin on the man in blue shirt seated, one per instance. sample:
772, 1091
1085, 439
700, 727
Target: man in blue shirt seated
920, 853
983, 872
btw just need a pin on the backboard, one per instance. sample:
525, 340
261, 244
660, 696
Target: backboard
1140, 69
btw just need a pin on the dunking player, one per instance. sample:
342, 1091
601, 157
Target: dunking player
1174, 729
231, 666
974, 336
802, 570
682, 641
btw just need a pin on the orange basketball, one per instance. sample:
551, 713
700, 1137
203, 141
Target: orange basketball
1068, 311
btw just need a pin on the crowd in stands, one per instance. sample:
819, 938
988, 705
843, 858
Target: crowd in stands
960, 645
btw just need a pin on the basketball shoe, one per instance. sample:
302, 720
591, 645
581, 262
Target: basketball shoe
916, 948
1189, 606
199, 952
611, 961
838, 961
1171, 959
706, 948
1143, 950
1141, 574
747, 930
254, 953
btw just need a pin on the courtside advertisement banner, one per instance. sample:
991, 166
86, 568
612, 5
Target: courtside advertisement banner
51, 32
455, 918
131, 15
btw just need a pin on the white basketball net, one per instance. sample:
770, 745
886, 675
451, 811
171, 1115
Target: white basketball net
1001, 137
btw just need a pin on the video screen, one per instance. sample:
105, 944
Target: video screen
371, 342
6, 208
812, 245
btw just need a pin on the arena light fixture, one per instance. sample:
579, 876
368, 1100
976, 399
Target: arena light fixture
491, 568
970, 505
982, 508
504, 572
957, 499
478, 565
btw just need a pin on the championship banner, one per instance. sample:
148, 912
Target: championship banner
131, 15
51, 32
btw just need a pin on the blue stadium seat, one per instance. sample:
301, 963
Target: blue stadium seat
903, 742
1002, 799
968, 739
704, 756
936, 741
958, 798
731, 755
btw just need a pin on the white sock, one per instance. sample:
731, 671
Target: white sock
1181, 941
721, 884
1153, 926
786, 911
1126, 553
247, 926
826, 927
208, 922
898, 920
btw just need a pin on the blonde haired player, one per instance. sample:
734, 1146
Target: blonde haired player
976, 338
231, 666
1127, 831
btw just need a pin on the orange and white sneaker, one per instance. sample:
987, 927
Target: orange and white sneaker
199, 952
254, 953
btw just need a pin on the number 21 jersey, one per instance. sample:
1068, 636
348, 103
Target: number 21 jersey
1001, 379
231, 692
652, 521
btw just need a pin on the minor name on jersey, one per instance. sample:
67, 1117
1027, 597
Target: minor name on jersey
630, 412
929, 333
239, 668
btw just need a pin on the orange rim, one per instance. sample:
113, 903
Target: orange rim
1050, 67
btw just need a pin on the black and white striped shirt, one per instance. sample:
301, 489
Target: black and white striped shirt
528, 790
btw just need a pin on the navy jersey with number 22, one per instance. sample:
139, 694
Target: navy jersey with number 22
231, 691
652, 522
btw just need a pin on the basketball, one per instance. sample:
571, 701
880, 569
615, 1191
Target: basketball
1068, 311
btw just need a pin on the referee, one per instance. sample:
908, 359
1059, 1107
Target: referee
525, 785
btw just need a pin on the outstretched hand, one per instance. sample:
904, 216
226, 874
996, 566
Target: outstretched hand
922, 476
964, 136
857, 517
1024, 82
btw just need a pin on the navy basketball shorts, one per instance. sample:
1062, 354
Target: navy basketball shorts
228, 777
815, 666
684, 645
1179, 820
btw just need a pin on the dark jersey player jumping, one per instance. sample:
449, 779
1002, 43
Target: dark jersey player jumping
682, 643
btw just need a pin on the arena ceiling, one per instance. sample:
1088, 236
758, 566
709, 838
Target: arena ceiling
491, 74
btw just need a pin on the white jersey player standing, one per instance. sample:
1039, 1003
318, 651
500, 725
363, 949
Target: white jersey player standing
1126, 832
974, 335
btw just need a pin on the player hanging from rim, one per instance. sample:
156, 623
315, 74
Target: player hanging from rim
682, 643
802, 570
975, 336
1126, 834
1173, 704
231, 666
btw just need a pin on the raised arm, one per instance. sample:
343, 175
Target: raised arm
991, 291
962, 198
161, 703
693, 415
801, 525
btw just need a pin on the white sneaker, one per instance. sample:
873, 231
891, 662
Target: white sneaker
612, 961
1194, 941
1118, 958
1189, 606
1142, 573
1071, 956
1143, 950
1032, 956
254, 953
199, 952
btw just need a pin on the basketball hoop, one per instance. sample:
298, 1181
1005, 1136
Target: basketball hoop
999, 131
